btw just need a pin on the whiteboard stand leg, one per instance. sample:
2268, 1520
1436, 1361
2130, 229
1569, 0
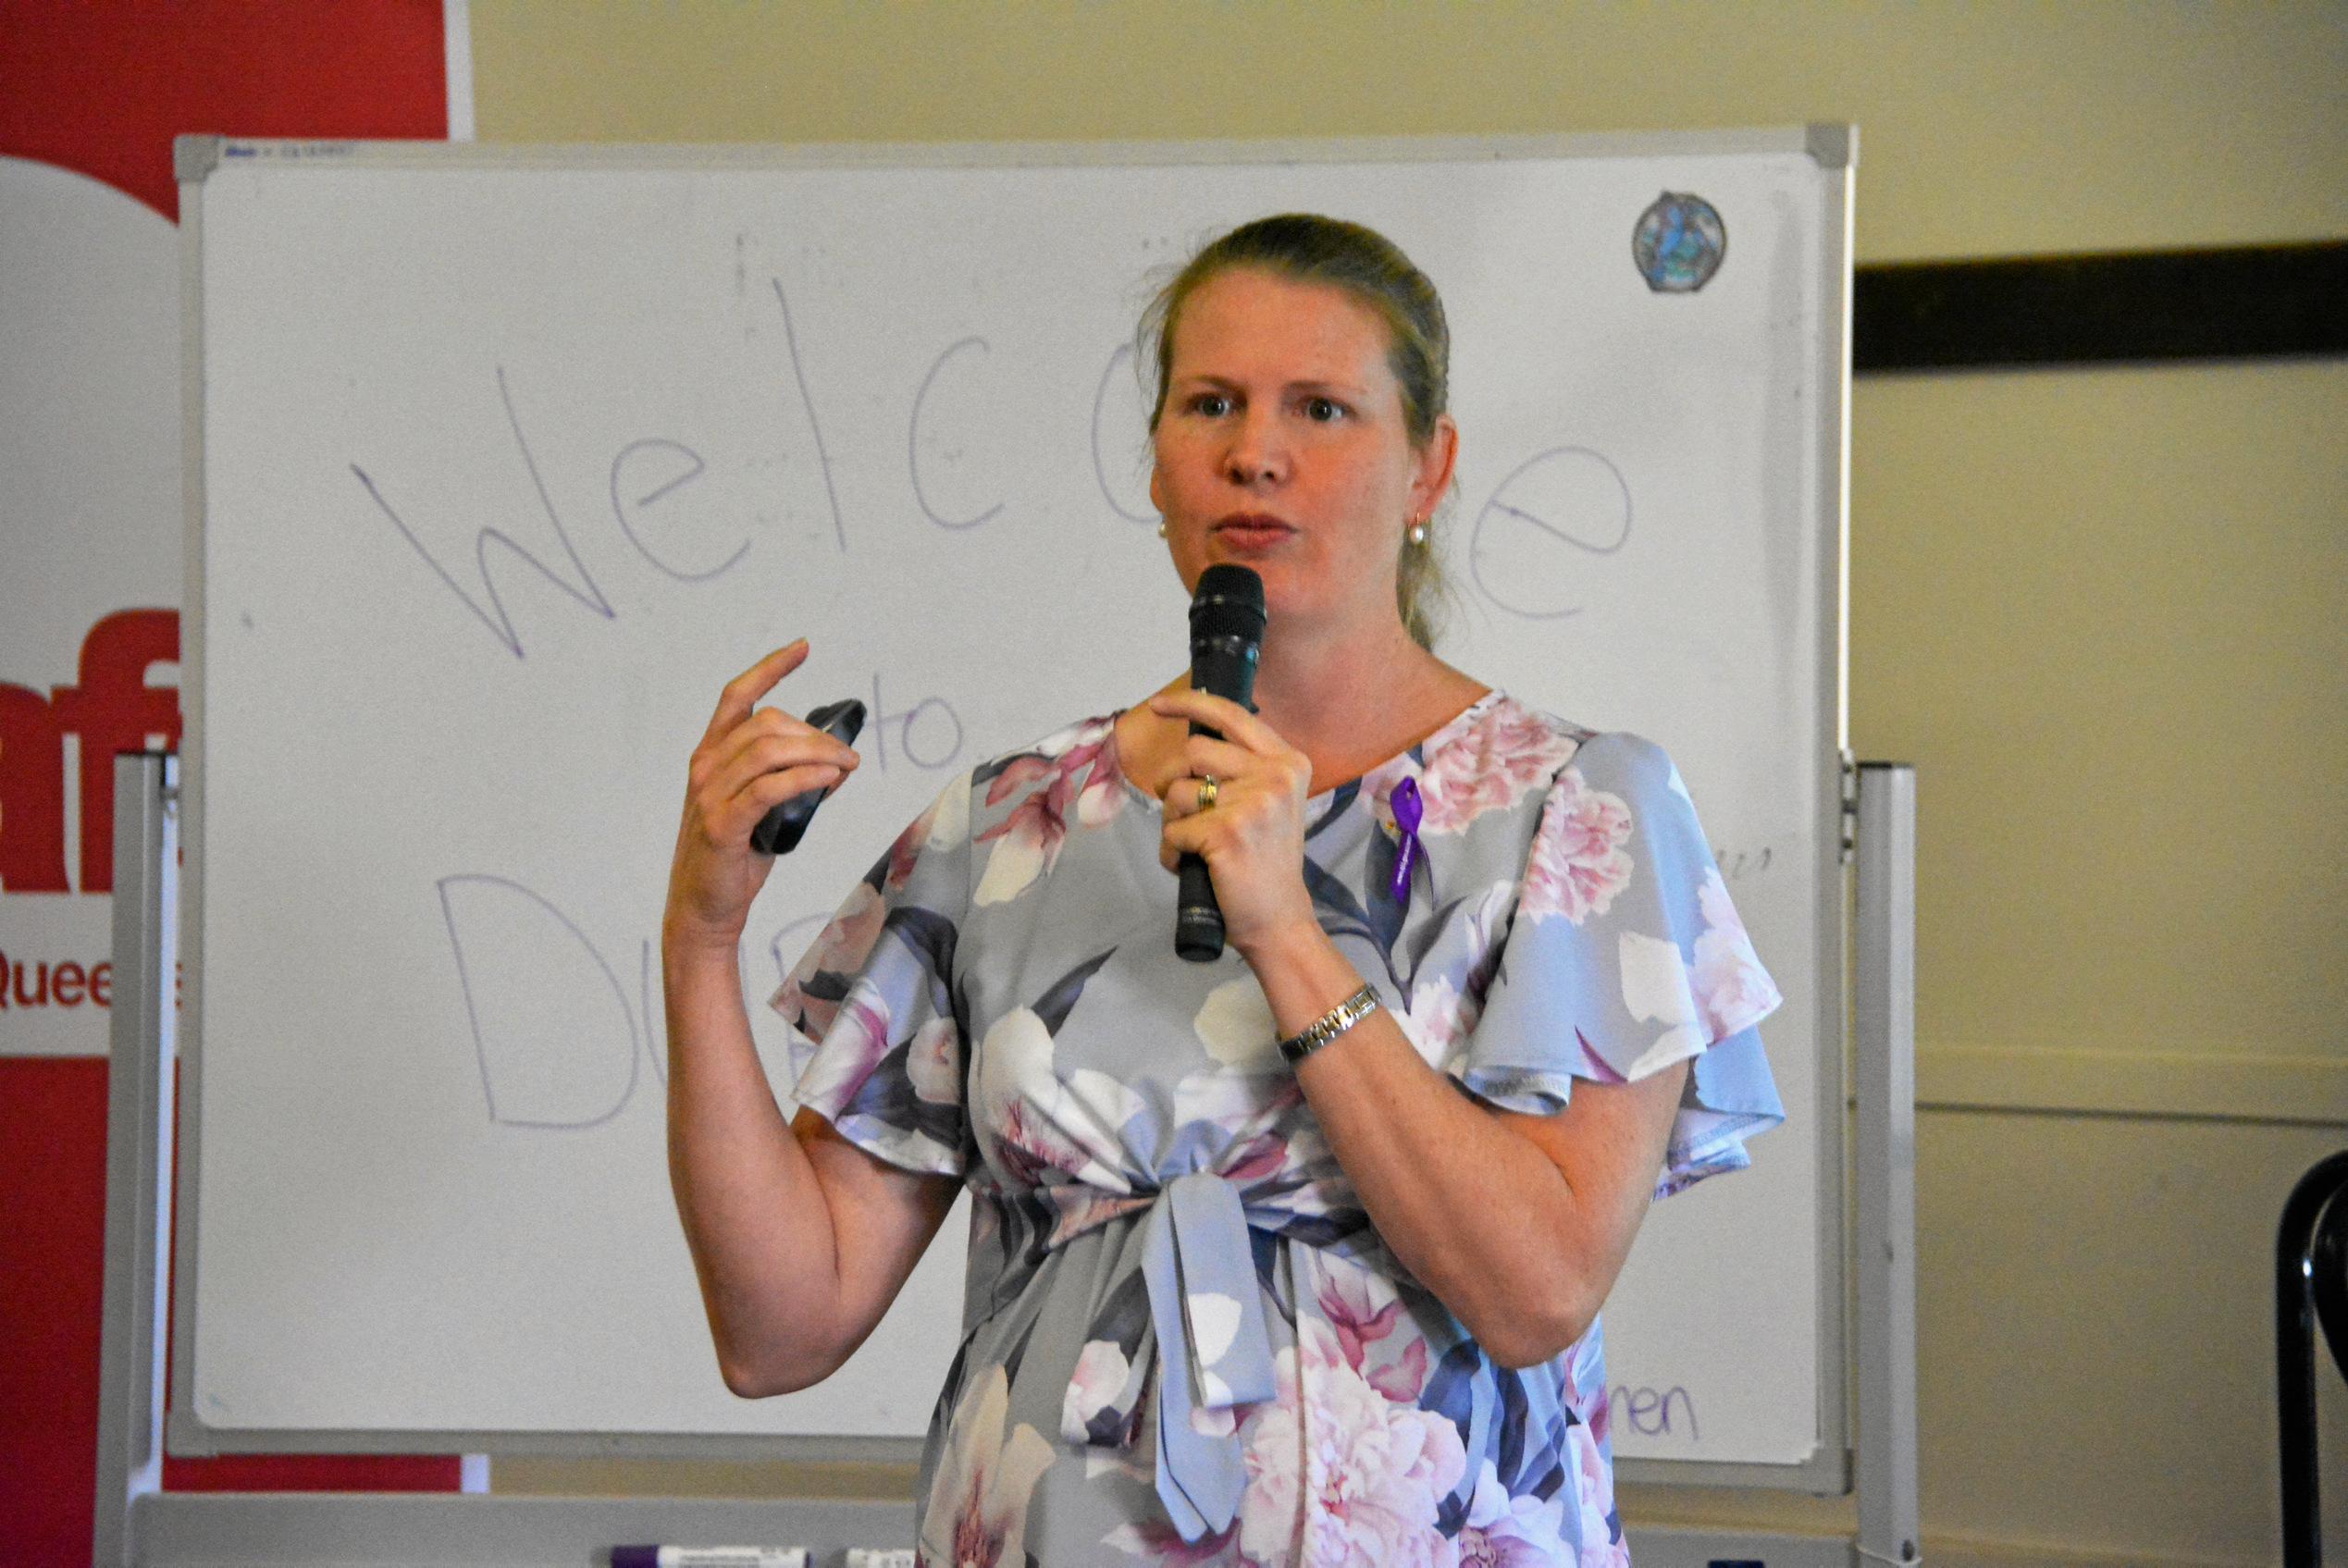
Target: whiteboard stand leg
139, 1077
1883, 1081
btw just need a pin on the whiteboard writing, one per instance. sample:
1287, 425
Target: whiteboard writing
556, 1042
913, 445
502, 626
1648, 1412
814, 425
1558, 504
928, 732
1105, 411
640, 463
554, 1036
720, 407
1735, 865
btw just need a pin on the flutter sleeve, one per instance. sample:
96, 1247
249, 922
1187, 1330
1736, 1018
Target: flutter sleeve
875, 1042
1624, 955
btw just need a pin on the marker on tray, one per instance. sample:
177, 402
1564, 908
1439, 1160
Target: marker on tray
709, 1556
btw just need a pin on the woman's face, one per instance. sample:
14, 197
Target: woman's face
1282, 447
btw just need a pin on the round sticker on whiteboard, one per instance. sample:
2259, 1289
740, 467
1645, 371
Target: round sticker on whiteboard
1678, 244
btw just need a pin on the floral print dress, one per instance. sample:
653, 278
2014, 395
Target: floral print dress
1182, 1340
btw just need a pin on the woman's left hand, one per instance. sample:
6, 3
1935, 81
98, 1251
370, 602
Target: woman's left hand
1252, 837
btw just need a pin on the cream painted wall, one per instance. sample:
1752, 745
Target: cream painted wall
1991, 126
2103, 611
2100, 609
2095, 1364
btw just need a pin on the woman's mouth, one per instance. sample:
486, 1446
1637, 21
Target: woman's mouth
1251, 531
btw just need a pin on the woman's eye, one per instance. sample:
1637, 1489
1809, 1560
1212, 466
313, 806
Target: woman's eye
1212, 404
1324, 411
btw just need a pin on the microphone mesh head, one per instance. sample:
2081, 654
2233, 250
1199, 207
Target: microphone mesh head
1228, 603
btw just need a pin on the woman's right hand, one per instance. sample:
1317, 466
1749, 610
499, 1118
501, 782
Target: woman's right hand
747, 763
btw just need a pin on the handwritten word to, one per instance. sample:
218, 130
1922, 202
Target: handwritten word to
929, 735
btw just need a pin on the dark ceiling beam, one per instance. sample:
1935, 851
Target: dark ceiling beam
2251, 302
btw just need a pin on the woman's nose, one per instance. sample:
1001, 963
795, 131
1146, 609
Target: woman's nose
1257, 455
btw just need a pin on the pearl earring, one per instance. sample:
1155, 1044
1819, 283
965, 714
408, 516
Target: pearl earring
1161, 527
1417, 534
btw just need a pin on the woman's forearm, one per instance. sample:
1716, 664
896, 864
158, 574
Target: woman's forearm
1475, 1209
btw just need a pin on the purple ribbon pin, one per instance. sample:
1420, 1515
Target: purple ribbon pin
1409, 810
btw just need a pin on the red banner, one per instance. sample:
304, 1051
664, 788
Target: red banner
90, 585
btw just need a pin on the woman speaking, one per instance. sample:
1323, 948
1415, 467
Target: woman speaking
1293, 1257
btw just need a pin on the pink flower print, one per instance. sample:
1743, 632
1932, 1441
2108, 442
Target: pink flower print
1163, 1546
908, 849
1733, 990
1438, 1019
1605, 1553
1078, 1208
1378, 787
1213, 1421
1030, 1153
1345, 1299
1600, 1549
1030, 836
1101, 1375
1349, 1299
983, 1483
853, 1046
1595, 1066
1577, 864
1506, 750
846, 942
1044, 1123
1601, 1418
1258, 1157
1501, 1531
1405, 1376
1362, 1488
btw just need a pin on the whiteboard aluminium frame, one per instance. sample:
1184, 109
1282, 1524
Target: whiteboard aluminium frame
1834, 149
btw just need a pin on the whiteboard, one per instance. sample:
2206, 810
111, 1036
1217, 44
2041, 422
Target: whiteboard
505, 459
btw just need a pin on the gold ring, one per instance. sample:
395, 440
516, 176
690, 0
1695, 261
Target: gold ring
1207, 789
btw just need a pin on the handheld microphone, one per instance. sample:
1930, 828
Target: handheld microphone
1226, 637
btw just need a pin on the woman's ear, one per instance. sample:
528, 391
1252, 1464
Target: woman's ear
1435, 461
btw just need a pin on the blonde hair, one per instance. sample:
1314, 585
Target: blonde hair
1308, 248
